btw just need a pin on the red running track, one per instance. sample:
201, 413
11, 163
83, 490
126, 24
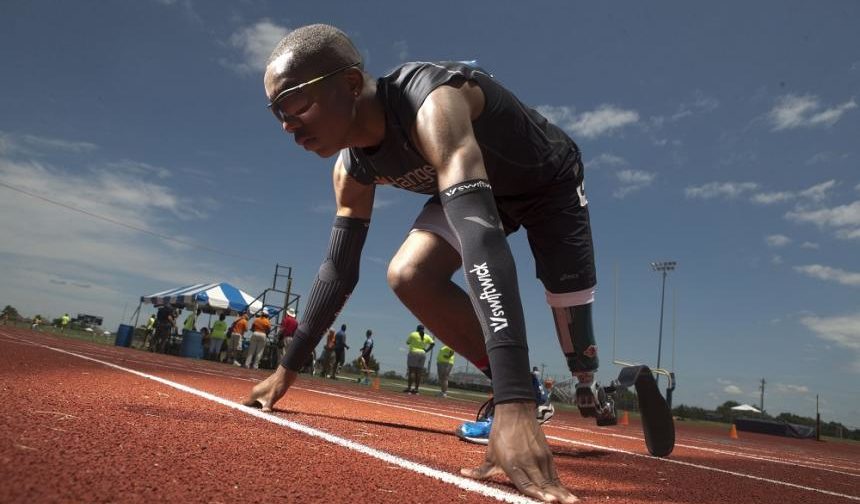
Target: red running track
90, 423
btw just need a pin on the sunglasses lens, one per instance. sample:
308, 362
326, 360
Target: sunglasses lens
290, 106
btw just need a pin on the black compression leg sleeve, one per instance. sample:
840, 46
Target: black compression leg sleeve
492, 279
334, 283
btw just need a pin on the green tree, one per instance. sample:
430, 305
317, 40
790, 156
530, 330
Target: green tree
725, 410
11, 312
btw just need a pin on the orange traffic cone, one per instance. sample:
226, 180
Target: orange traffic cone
375, 384
733, 433
625, 419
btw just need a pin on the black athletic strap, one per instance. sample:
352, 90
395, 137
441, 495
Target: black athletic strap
335, 281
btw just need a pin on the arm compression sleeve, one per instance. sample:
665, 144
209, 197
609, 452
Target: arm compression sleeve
492, 279
335, 280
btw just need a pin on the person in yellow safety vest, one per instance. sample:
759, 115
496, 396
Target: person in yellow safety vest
217, 337
444, 365
64, 321
191, 321
419, 344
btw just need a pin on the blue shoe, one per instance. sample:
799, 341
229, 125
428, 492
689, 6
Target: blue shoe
479, 430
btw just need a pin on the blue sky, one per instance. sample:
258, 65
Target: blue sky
721, 136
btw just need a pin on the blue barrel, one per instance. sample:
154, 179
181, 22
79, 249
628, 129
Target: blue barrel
192, 345
124, 335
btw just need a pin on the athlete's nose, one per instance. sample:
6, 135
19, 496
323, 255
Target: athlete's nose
290, 125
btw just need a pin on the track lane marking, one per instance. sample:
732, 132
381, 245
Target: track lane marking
446, 477
435, 473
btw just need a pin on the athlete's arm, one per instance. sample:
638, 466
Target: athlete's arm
338, 274
443, 133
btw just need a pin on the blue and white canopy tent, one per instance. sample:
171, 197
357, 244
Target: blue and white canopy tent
211, 298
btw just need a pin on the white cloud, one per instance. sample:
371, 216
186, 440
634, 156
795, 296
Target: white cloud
720, 190
840, 216
632, 181
818, 192
848, 234
723, 381
772, 197
32, 145
792, 111
844, 331
66, 241
830, 274
256, 43
701, 104
604, 120
777, 240
776, 259
605, 160
733, 389
810, 245
791, 389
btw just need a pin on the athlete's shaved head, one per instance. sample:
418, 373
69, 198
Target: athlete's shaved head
313, 48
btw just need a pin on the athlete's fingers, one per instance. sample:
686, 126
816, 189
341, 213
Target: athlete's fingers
486, 470
561, 493
527, 486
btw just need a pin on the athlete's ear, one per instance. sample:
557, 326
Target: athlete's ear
355, 81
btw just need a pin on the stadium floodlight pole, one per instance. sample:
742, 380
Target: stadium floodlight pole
664, 267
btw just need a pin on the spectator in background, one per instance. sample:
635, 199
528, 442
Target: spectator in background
217, 337
149, 329
259, 330
235, 349
190, 323
288, 327
340, 348
205, 340
328, 353
444, 365
64, 322
36, 321
366, 349
419, 344
165, 320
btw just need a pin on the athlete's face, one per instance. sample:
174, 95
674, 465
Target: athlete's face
316, 107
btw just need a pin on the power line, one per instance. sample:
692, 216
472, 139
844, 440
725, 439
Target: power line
131, 226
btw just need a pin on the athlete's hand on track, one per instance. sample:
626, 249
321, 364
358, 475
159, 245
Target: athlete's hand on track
518, 448
265, 394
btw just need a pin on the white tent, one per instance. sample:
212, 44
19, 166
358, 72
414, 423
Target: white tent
746, 407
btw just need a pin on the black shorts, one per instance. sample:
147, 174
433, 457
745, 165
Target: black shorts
340, 355
557, 222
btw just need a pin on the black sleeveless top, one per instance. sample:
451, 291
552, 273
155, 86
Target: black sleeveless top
522, 151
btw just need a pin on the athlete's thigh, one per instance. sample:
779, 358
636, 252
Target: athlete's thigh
561, 241
428, 247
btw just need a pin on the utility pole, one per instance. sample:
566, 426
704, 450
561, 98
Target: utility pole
664, 267
761, 401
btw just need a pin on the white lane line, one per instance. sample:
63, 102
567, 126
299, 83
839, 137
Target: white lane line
709, 468
265, 416
609, 448
458, 481
806, 464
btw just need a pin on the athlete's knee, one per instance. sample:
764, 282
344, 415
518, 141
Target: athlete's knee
406, 277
